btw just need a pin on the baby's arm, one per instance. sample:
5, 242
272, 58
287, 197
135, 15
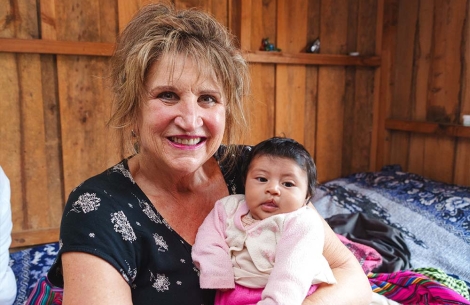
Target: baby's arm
210, 252
299, 262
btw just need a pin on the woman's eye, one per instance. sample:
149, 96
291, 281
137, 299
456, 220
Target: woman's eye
167, 95
207, 99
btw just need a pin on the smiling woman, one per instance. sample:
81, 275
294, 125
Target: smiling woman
180, 84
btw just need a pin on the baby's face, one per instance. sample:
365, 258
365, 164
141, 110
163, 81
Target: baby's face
275, 185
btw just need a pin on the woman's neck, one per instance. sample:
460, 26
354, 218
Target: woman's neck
176, 197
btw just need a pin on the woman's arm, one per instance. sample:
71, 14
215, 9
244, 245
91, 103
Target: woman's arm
89, 279
352, 284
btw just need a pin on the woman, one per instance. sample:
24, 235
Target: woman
126, 234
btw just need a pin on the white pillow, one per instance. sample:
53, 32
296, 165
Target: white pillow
7, 278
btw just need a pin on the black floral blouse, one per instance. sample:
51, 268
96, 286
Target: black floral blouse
109, 216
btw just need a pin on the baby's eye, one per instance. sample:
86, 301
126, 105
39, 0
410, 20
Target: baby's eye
261, 179
289, 184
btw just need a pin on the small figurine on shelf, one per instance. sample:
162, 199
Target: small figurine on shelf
267, 46
314, 47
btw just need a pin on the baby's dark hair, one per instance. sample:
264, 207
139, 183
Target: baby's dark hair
285, 148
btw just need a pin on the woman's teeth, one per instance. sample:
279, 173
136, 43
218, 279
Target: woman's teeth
192, 141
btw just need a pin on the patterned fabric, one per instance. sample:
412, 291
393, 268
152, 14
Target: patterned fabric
447, 280
44, 293
29, 266
407, 287
433, 217
447, 204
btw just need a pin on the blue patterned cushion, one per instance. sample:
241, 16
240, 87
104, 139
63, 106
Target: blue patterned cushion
29, 265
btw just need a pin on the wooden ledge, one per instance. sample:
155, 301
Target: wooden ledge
311, 59
41, 46
34, 237
450, 130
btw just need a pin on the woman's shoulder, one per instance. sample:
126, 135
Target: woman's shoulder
118, 173
115, 184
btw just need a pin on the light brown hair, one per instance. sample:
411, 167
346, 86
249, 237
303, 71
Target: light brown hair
159, 30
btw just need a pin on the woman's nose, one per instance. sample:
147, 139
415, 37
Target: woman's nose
189, 117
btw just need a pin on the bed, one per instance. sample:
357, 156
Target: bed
419, 227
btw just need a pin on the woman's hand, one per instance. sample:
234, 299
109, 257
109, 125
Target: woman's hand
352, 285
89, 279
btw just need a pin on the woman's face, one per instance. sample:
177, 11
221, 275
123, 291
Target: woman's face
182, 120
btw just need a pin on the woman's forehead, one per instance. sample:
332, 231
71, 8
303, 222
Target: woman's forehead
177, 64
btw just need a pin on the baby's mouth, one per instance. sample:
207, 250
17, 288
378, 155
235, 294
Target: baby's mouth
269, 206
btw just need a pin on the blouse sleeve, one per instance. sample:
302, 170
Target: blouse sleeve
99, 223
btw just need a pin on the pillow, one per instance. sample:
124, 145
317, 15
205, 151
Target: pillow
7, 278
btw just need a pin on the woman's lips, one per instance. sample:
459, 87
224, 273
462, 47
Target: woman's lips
186, 141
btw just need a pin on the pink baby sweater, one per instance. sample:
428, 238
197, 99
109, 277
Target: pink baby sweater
282, 253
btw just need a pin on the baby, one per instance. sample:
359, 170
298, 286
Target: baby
265, 247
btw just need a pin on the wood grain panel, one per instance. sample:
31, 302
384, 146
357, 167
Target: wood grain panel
444, 86
261, 23
462, 157
331, 86
84, 95
84, 109
376, 107
401, 105
421, 72
126, 10
389, 41
49, 83
361, 102
350, 89
261, 107
36, 199
290, 80
48, 20
56, 196
10, 133
311, 80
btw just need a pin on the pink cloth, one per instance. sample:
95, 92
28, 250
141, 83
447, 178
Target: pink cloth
408, 287
244, 296
367, 256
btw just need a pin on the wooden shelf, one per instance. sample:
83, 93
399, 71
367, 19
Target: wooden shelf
40, 46
33, 237
311, 59
451, 130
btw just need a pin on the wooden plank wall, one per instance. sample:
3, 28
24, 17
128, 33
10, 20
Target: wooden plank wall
54, 104
327, 108
426, 55
54, 107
